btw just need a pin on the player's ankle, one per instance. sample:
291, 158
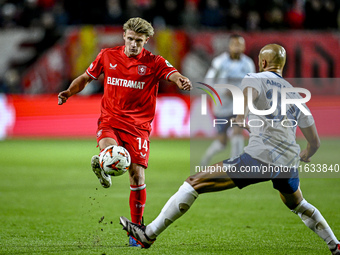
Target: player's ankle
149, 233
332, 245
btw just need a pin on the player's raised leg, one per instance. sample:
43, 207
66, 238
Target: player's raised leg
104, 179
178, 204
312, 218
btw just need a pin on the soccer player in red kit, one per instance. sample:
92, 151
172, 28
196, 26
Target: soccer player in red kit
131, 80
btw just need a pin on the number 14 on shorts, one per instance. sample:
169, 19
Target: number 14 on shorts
142, 144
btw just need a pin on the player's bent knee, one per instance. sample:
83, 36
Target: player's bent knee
136, 178
190, 180
107, 141
193, 181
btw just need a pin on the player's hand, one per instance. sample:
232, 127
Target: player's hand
239, 120
304, 156
63, 96
184, 83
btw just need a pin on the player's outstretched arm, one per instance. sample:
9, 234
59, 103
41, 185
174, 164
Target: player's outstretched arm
181, 81
313, 143
77, 85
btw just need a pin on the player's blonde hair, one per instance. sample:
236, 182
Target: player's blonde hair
139, 25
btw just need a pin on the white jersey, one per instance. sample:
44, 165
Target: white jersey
225, 70
274, 142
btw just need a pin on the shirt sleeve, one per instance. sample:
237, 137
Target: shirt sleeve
215, 68
251, 81
211, 74
251, 66
163, 68
96, 67
305, 121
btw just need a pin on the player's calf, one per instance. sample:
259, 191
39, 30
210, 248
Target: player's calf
313, 219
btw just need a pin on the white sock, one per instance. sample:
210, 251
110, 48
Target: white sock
176, 206
215, 147
237, 144
313, 219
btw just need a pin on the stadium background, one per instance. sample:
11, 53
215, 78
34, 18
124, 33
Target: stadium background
44, 44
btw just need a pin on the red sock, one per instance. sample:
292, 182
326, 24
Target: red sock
137, 202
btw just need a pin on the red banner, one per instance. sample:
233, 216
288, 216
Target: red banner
41, 116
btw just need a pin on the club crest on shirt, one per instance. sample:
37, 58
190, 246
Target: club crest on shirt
142, 69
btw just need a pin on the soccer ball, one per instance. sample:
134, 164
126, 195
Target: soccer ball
114, 160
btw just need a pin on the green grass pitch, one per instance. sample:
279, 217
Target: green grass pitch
51, 203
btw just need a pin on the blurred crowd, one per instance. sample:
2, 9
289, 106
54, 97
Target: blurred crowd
247, 15
53, 16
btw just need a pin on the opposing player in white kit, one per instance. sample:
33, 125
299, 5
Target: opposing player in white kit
227, 68
270, 145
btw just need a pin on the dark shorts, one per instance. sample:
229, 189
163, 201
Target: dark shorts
245, 170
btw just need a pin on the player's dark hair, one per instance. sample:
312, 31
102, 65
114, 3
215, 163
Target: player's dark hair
233, 36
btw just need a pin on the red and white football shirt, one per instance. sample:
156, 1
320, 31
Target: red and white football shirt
130, 87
